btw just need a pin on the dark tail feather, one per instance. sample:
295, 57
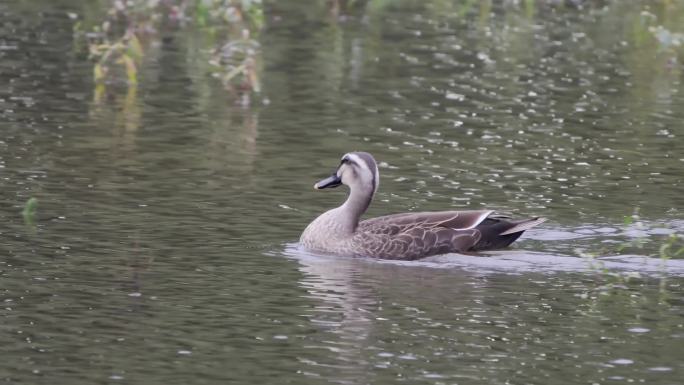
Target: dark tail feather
495, 242
498, 233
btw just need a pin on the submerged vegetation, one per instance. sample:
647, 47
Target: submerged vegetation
616, 281
673, 247
118, 45
29, 211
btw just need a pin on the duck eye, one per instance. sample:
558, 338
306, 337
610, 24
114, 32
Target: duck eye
344, 161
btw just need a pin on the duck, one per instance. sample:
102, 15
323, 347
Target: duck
405, 236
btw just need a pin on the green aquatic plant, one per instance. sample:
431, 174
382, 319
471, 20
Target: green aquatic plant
125, 52
116, 44
236, 65
29, 211
633, 220
608, 281
673, 247
613, 281
236, 61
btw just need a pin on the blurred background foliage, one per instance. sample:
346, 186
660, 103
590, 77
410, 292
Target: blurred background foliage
119, 40
120, 35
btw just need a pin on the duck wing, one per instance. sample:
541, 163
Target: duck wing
416, 235
456, 220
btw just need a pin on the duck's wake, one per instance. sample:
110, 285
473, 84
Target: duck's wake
515, 261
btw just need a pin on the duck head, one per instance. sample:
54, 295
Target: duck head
358, 170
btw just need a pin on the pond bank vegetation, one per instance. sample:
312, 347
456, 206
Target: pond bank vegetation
119, 44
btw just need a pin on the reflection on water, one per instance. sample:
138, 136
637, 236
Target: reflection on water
160, 252
382, 321
342, 313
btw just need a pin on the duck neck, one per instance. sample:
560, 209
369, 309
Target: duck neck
356, 204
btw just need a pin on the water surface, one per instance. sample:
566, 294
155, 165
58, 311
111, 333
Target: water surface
163, 251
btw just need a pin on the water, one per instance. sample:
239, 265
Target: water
164, 250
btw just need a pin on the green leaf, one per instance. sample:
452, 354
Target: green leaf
29, 211
131, 69
134, 48
202, 13
98, 73
664, 250
255, 15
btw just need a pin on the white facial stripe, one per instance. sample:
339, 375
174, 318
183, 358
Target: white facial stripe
376, 178
372, 176
357, 159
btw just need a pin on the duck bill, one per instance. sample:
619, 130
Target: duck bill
329, 182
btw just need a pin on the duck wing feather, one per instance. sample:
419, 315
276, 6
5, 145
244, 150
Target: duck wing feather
416, 235
457, 220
